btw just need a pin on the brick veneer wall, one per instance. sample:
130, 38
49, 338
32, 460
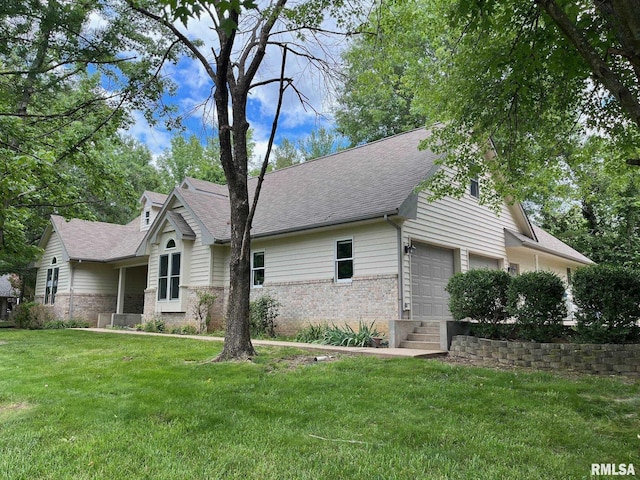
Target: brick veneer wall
86, 306
187, 317
585, 358
366, 299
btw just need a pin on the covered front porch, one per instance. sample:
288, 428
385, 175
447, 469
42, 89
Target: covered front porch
132, 281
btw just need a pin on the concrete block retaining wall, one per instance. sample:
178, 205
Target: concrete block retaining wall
585, 358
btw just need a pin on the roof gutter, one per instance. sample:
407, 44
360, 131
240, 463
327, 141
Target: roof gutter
374, 216
535, 246
400, 275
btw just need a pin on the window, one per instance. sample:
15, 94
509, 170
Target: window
51, 287
257, 269
344, 260
169, 274
147, 217
514, 269
569, 276
475, 187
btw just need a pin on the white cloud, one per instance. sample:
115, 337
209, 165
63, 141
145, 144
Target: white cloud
155, 138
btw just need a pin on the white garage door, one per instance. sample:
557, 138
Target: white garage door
478, 262
431, 268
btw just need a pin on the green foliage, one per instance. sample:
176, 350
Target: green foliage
185, 330
596, 208
57, 115
491, 70
187, 157
60, 324
608, 304
31, 315
202, 309
374, 99
536, 300
264, 311
155, 325
312, 334
480, 295
347, 337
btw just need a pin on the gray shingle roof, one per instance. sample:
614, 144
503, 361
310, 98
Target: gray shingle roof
98, 241
359, 183
546, 243
155, 197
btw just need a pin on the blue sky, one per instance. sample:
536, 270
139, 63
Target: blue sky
195, 87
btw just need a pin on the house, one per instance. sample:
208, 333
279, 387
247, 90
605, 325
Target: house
344, 238
8, 296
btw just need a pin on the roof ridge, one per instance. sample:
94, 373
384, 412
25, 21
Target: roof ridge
350, 149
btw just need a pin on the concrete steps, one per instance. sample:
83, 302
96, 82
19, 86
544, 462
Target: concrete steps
424, 337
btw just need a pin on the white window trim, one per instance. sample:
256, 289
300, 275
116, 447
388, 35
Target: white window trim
169, 252
475, 180
335, 260
254, 269
51, 282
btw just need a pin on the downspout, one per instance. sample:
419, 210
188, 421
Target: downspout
400, 261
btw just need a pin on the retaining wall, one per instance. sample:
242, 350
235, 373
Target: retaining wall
605, 359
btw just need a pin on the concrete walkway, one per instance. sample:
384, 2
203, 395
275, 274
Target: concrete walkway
375, 352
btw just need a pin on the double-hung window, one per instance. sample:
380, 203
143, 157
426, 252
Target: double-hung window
169, 274
257, 269
475, 187
51, 286
344, 260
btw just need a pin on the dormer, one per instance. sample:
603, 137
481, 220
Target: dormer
150, 203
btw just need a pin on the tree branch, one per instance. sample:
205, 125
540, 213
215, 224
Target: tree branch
601, 71
274, 127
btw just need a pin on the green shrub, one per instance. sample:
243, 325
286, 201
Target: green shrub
608, 301
202, 309
312, 334
480, 295
537, 302
32, 316
264, 311
185, 330
348, 337
155, 325
58, 324
54, 325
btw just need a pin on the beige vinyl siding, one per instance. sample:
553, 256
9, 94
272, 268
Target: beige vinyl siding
152, 277
95, 278
311, 256
462, 225
527, 260
220, 267
200, 262
53, 249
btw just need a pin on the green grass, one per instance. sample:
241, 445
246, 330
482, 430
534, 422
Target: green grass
81, 405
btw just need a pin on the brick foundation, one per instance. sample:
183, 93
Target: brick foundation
366, 299
585, 358
86, 306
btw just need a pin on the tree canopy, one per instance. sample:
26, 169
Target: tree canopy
66, 84
534, 77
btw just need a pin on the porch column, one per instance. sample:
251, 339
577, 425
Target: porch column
121, 284
537, 263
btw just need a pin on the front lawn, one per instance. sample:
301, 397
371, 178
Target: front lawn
82, 405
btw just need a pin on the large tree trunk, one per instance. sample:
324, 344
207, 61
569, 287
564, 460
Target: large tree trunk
237, 342
234, 159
